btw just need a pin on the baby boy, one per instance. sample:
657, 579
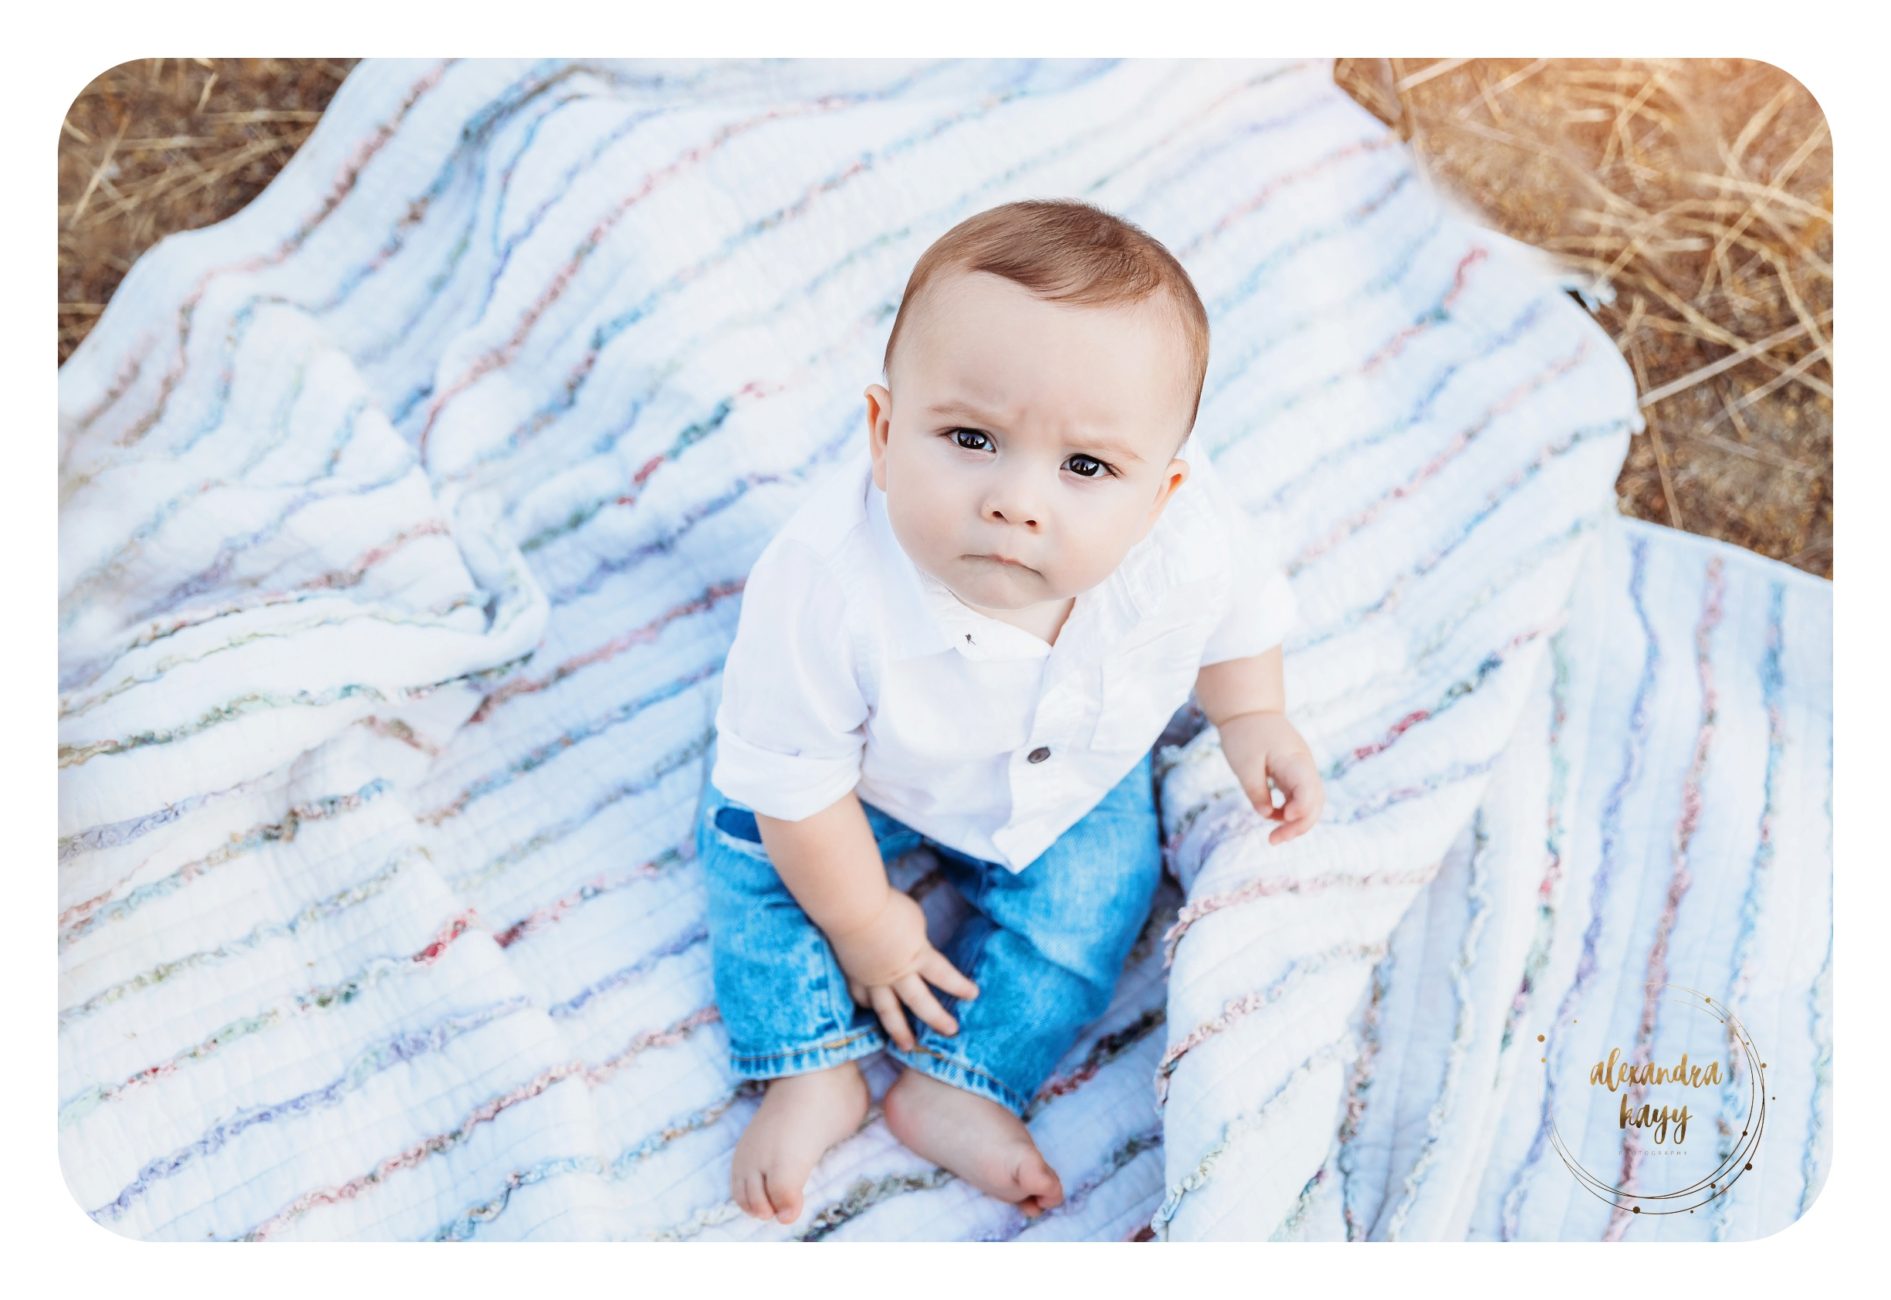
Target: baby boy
969, 638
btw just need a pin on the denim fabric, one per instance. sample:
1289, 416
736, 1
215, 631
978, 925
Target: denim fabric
1045, 946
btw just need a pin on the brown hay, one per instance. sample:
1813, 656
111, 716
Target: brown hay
1700, 189
161, 145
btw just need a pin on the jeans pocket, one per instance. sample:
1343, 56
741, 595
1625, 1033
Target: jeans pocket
739, 823
732, 830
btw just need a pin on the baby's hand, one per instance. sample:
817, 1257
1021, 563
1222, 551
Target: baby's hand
887, 962
1263, 745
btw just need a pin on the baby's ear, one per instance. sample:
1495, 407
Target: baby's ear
879, 419
1175, 476
879, 406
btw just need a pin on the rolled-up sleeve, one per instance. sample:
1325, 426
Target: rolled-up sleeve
1260, 605
790, 726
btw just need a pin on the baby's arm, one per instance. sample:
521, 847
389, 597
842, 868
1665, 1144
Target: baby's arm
1231, 687
790, 740
1246, 701
830, 863
1240, 684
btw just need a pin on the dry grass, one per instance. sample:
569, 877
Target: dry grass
1700, 190
160, 145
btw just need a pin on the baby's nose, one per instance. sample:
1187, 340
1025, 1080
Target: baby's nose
1015, 507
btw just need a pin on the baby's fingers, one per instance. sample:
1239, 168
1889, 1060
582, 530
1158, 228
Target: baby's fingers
1296, 816
892, 1015
938, 970
917, 996
1266, 806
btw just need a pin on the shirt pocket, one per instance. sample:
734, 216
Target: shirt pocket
1143, 684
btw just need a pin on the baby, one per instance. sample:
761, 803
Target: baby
970, 638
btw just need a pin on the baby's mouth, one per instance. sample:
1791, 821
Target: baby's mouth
1004, 563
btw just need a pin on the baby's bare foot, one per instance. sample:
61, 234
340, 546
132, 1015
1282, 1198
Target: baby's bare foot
800, 1117
974, 1137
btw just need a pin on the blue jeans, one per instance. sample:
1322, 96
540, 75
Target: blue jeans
1045, 946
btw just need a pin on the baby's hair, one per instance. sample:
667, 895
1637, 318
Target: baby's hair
1066, 250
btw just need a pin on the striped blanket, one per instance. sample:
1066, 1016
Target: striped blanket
404, 522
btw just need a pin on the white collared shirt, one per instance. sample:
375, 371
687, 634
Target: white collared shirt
853, 669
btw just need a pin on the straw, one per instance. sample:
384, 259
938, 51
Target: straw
1696, 197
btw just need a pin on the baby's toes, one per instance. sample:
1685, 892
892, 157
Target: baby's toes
754, 1198
786, 1200
1056, 1196
1043, 1189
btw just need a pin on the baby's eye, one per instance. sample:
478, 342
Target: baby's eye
958, 438
1105, 469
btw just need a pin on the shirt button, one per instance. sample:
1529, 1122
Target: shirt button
1039, 754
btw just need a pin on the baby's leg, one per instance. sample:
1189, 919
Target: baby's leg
800, 1117
784, 1006
1046, 947
974, 1137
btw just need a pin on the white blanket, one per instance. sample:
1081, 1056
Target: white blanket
404, 520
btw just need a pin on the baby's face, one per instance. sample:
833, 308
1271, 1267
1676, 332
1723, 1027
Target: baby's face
1037, 431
